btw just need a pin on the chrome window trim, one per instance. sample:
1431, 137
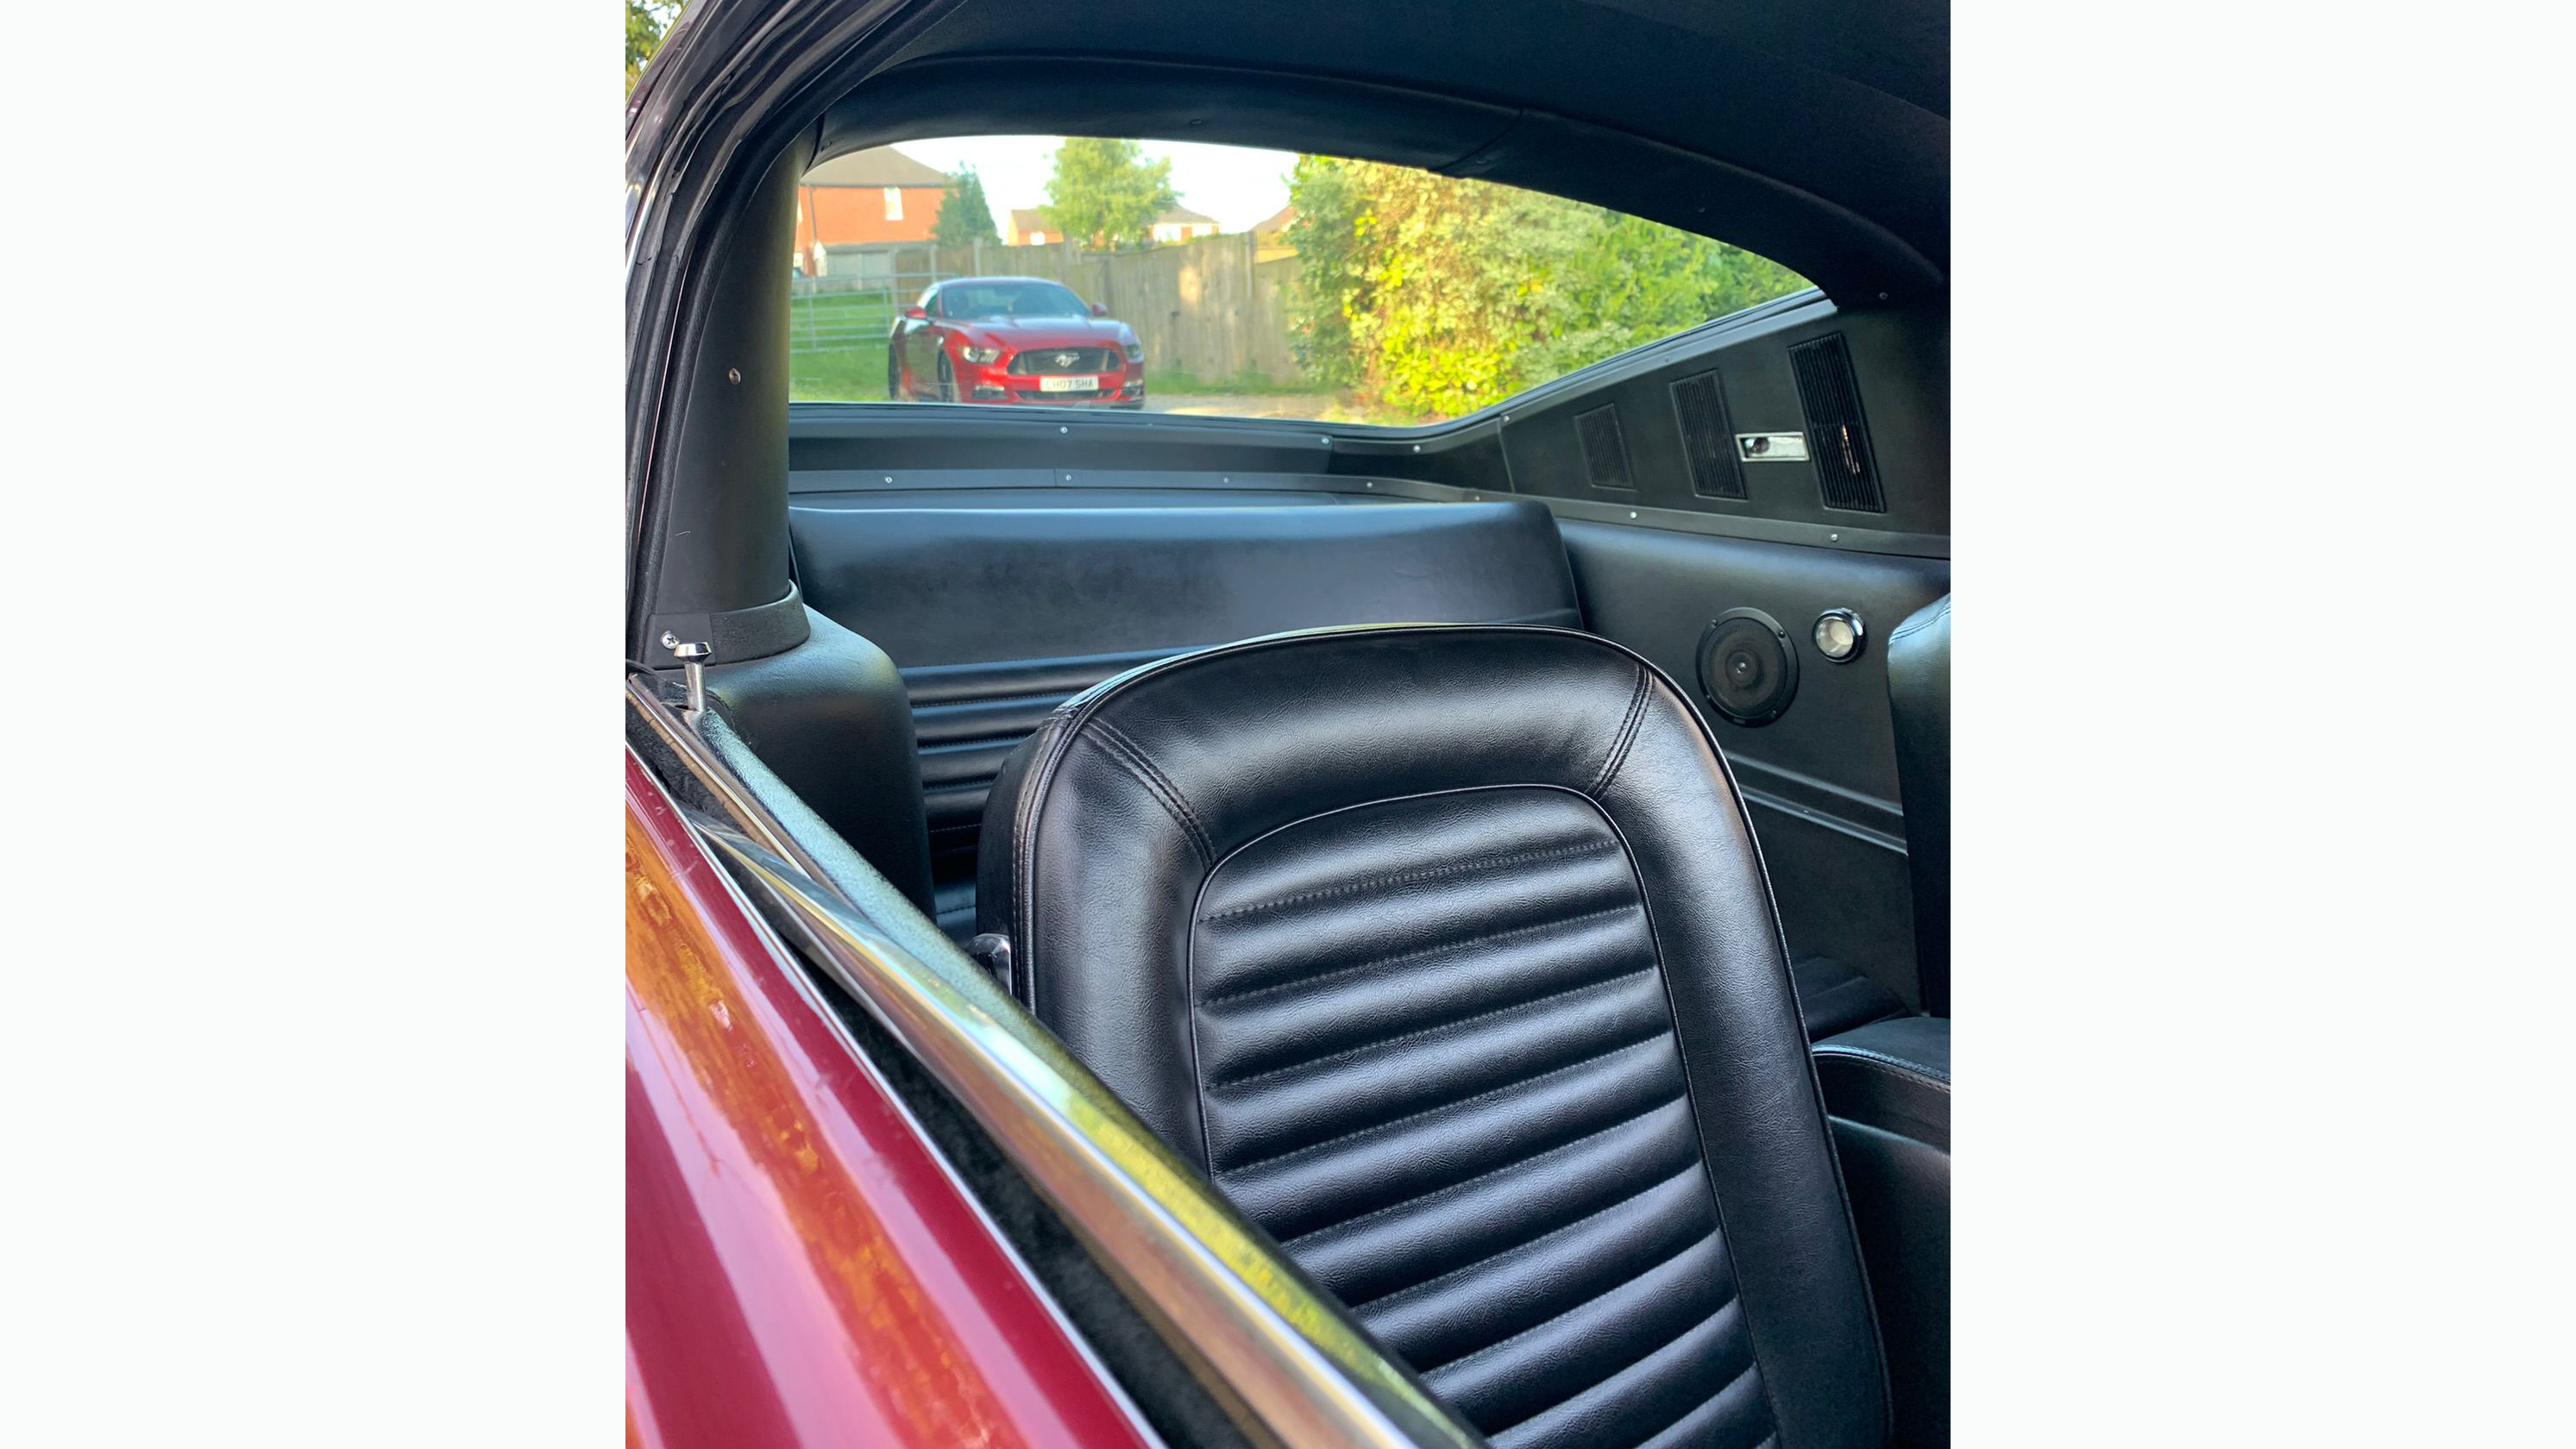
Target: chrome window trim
810, 992
1290, 1358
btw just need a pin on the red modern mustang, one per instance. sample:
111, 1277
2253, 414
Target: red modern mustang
1012, 340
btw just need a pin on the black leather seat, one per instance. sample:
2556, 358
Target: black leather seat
1918, 698
1448, 953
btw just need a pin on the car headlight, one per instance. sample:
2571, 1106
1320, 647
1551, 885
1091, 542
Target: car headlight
1135, 352
980, 355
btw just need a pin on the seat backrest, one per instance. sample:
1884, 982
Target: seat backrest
1448, 953
1918, 697
997, 615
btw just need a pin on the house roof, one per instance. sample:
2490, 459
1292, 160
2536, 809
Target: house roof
876, 166
1182, 214
1276, 222
1028, 218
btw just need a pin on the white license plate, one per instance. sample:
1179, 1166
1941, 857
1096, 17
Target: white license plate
1068, 384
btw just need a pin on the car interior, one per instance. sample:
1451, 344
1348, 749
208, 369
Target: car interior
1506, 856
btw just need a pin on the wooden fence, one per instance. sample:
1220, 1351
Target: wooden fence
1205, 307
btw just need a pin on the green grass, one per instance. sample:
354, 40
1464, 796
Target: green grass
849, 374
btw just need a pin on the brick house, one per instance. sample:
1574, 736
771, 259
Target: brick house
1028, 228
1180, 224
876, 197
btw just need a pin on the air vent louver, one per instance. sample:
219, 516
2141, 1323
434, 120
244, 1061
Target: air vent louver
1605, 452
1708, 437
1837, 439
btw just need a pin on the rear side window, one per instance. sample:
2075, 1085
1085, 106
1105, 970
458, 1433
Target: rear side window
1176, 277
999, 301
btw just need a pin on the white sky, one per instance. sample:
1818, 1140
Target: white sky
1235, 184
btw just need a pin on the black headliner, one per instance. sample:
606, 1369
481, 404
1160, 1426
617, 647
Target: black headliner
1814, 133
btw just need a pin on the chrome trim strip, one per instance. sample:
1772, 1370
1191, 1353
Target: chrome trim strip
712, 773
1287, 1356
810, 992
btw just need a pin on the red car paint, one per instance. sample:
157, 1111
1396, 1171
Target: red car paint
1021, 352
801, 1270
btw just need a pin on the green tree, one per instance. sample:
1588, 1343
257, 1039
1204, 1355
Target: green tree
647, 21
1333, 286
1106, 192
965, 217
1436, 296
1635, 280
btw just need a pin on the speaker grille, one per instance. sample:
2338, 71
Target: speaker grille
1708, 437
1747, 668
1605, 452
1836, 438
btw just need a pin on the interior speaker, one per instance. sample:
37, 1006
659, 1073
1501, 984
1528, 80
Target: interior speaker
1746, 667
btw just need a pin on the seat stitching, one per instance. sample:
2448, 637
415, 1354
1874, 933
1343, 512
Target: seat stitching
1627, 733
1189, 818
1632, 1366
1718, 1394
1198, 830
1419, 1033
1905, 1070
1518, 857
1917, 626
1130, 771
1559, 1230
1240, 1168
1125, 754
1630, 1281
1487, 939
1681, 1051
1514, 1165
1048, 697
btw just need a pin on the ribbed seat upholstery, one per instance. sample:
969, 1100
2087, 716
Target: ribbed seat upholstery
1447, 952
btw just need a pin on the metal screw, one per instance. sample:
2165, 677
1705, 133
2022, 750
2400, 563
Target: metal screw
733, 374
1372, 483
1417, 447
889, 477
670, 640
1632, 513
1833, 538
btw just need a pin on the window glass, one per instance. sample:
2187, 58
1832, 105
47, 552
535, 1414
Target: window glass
995, 301
1174, 277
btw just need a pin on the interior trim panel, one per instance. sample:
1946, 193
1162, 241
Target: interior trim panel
996, 617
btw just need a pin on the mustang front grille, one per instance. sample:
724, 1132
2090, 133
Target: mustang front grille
1064, 359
